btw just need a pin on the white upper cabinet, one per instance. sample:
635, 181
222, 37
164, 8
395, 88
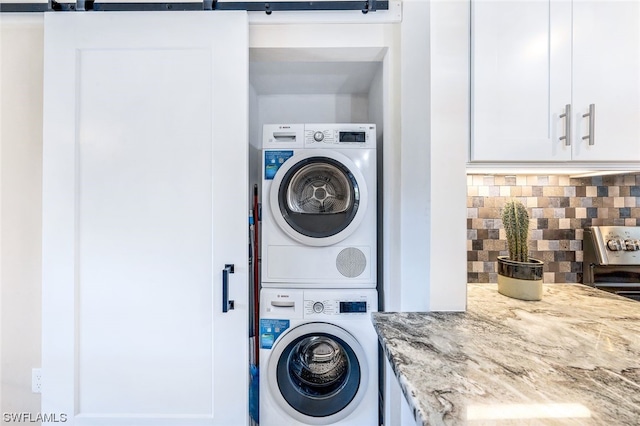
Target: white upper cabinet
606, 73
521, 81
534, 61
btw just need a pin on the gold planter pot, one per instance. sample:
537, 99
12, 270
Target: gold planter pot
520, 280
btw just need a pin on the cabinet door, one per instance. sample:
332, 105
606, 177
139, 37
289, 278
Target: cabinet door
521, 80
606, 73
145, 176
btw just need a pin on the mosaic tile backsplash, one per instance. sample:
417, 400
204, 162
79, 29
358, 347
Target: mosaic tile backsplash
559, 207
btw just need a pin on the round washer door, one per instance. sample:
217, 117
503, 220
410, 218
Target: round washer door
318, 197
317, 373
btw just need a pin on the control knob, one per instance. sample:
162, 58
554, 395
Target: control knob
318, 307
318, 136
632, 245
614, 245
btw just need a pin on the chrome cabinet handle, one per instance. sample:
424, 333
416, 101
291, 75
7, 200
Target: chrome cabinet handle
592, 121
227, 304
567, 125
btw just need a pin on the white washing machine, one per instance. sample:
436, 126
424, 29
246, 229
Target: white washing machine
318, 357
319, 206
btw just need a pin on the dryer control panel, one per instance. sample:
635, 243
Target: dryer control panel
340, 135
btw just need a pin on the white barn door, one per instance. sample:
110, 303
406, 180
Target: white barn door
144, 203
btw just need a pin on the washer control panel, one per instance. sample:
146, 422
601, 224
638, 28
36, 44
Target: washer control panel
318, 304
351, 305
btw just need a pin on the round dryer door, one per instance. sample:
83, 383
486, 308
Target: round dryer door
317, 373
319, 197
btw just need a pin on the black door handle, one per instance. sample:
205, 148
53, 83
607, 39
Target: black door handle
226, 303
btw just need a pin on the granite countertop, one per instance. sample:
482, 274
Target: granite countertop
571, 358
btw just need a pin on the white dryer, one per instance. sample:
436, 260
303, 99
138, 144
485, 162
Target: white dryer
318, 357
319, 206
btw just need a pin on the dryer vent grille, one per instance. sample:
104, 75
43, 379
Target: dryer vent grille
351, 262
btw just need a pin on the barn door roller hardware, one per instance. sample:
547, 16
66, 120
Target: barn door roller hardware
268, 7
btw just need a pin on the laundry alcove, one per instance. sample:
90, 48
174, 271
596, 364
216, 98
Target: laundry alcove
323, 73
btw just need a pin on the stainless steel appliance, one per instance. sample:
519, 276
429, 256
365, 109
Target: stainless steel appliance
612, 259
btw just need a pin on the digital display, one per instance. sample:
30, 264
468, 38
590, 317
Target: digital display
353, 307
352, 137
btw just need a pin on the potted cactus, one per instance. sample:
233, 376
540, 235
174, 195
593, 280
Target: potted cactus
519, 276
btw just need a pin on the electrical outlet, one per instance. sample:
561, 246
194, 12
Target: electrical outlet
36, 380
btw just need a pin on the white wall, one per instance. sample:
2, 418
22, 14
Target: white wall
434, 144
449, 141
21, 68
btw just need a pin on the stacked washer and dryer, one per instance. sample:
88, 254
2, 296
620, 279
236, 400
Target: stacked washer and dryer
318, 348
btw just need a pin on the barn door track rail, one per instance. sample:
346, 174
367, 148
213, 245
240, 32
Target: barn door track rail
268, 7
